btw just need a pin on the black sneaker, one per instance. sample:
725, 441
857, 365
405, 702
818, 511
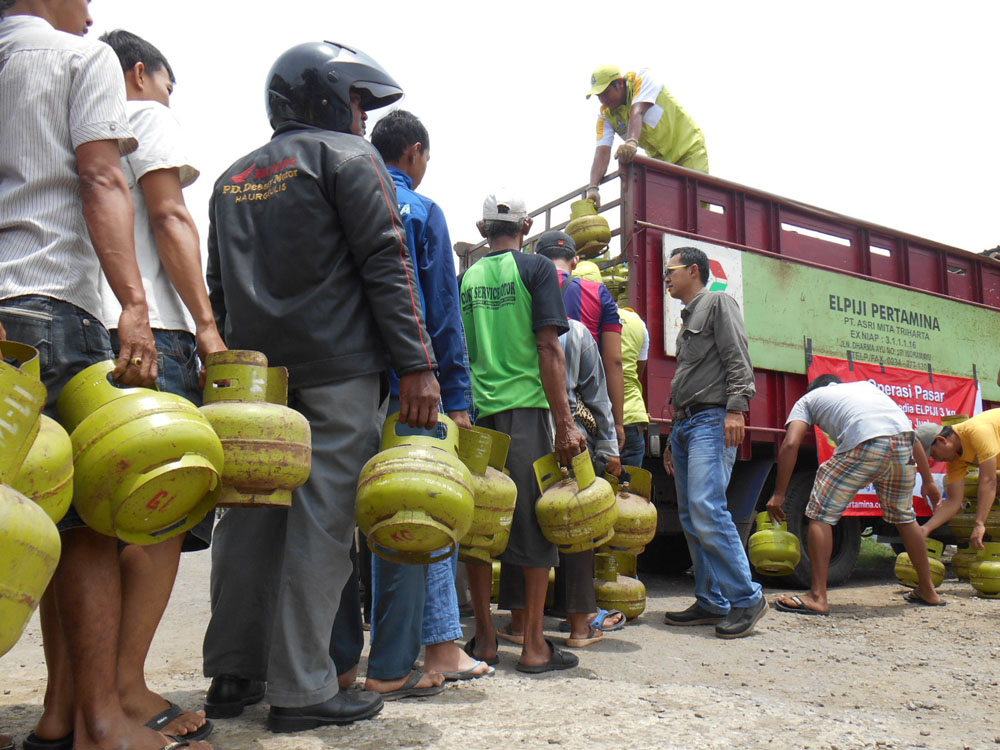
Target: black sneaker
741, 620
693, 615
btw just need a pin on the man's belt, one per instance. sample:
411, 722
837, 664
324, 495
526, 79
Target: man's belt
691, 409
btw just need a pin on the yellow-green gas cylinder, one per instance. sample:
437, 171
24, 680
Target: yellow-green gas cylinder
414, 499
906, 574
575, 513
29, 552
984, 573
635, 525
961, 561
145, 463
622, 593
268, 447
22, 398
46, 476
589, 230
484, 452
773, 550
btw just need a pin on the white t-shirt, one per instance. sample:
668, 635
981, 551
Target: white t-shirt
57, 92
647, 88
851, 413
161, 146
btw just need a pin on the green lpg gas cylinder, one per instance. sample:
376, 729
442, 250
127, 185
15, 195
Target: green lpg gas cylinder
576, 513
414, 499
484, 452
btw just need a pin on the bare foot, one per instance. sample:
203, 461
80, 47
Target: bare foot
449, 657
142, 705
807, 602
124, 736
429, 679
347, 679
6, 742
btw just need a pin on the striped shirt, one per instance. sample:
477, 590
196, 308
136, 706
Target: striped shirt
57, 91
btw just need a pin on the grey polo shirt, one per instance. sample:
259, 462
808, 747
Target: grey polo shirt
713, 361
851, 413
57, 91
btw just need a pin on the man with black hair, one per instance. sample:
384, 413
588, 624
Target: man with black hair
513, 314
875, 444
66, 215
307, 263
711, 390
972, 443
414, 605
169, 255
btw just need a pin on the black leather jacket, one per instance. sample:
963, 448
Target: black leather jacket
307, 260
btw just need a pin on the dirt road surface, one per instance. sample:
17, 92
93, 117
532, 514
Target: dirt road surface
878, 673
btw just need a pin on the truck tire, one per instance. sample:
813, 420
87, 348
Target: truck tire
846, 536
667, 554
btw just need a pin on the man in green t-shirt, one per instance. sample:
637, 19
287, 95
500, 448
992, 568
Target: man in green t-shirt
513, 314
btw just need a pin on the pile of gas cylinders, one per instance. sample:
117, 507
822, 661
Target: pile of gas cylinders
135, 463
981, 568
579, 511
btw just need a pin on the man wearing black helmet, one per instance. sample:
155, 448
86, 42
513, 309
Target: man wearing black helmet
307, 263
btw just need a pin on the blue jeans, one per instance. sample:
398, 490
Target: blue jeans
68, 340
702, 467
635, 445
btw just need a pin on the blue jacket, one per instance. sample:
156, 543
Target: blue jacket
430, 250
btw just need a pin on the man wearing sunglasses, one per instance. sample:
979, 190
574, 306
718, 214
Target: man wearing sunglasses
710, 392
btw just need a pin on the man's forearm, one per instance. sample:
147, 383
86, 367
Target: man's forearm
944, 512
178, 246
602, 158
615, 376
107, 209
788, 456
984, 498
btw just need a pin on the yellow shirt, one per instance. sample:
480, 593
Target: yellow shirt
635, 348
980, 438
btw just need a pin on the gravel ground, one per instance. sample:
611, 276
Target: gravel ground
877, 673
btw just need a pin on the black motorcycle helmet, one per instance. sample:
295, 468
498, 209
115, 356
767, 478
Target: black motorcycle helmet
311, 83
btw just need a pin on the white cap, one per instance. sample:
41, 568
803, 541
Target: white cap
512, 209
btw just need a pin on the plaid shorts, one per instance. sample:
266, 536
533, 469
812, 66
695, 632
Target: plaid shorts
887, 462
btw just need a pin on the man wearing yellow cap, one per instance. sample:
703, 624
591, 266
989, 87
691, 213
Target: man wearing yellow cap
643, 113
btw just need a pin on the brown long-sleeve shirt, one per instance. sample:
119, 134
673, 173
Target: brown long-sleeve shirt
713, 362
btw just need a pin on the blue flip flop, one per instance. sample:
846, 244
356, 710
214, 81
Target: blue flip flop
598, 621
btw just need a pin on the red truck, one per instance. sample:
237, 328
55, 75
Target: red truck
810, 282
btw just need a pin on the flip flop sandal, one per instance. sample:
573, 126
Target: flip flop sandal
597, 622
507, 635
173, 711
465, 674
914, 598
558, 660
34, 742
800, 607
593, 636
409, 688
470, 648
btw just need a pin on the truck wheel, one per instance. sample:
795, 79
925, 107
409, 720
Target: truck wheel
667, 554
846, 536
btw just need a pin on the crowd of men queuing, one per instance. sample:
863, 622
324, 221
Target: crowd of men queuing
332, 265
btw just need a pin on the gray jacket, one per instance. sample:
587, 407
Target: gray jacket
585, 381
713, 363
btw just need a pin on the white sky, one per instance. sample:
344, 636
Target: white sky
886, 111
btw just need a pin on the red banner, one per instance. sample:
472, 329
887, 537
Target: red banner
923, 397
